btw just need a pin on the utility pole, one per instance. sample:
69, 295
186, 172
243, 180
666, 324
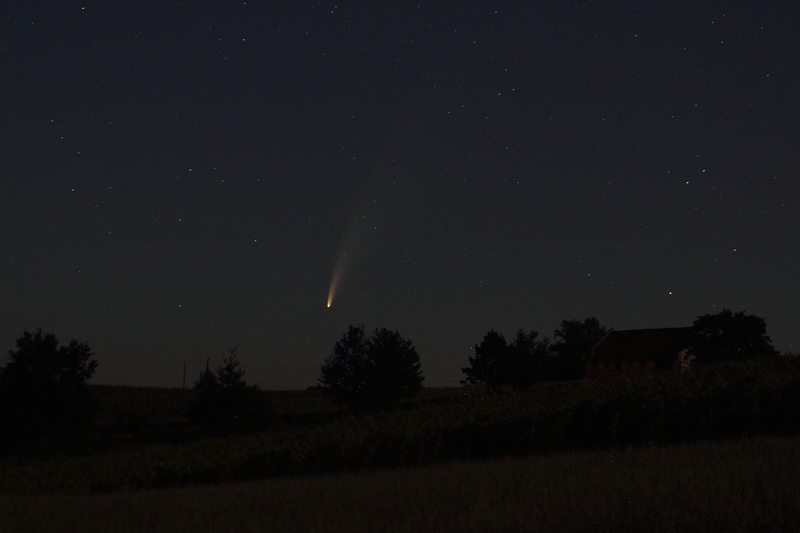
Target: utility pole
184, 374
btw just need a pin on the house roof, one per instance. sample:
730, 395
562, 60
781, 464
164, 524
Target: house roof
641, 344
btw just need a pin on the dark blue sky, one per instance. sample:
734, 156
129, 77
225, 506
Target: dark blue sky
177, 179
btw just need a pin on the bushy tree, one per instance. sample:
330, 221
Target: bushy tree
728, 336
223, 398
574, 340
497, 362
43, 394
371, 373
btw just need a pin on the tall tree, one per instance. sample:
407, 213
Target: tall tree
728, 336
574, 340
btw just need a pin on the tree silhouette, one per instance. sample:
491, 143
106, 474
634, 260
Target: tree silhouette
43, 394
207, 379
371, 373
497, 362
526, 357
728, 336
574, 341
230, 375
344, 373
224, 399
394, 369
486, 366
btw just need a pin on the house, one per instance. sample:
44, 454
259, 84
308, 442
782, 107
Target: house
636, 351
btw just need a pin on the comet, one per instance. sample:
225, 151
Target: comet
350, 249
338, 274
361, 229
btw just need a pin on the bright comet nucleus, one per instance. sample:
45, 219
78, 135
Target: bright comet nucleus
336, 278
332, 290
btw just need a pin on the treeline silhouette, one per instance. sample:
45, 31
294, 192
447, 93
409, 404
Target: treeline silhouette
527, 359
46, 405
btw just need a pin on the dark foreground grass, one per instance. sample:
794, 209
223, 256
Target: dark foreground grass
145, 442
735, 486
161, 412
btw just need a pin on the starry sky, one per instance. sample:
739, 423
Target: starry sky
180, 178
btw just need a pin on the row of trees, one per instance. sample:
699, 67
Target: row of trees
44, 397
721, 337
45, 402
527, 359
380, 371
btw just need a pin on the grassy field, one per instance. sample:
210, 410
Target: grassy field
142, 439
747, 485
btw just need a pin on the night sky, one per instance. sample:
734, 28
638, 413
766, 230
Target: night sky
178, 179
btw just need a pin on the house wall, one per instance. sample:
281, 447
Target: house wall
597, 369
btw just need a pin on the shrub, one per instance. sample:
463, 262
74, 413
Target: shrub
223, 398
